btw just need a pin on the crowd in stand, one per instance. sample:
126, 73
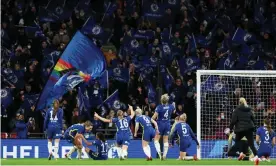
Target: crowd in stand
201, 34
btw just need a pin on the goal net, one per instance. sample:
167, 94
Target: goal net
218, 93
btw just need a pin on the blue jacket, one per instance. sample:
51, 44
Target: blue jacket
21, 129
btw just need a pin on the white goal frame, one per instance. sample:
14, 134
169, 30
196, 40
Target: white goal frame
239, 73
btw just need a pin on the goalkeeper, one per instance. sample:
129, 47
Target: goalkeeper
238, 149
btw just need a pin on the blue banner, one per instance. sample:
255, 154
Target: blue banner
81, 56
189, 64
46, 15
120, 74
153, 11
142, 34
214, 84
37, 148
227, 62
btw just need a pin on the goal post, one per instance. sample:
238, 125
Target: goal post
218, 92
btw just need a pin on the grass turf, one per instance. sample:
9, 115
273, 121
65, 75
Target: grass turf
44, 161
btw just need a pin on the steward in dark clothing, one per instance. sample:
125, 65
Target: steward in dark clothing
244, 122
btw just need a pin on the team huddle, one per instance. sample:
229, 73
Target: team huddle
153, 129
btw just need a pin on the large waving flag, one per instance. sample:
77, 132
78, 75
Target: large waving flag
82, 59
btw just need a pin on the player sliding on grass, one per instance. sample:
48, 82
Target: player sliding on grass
74, 134
53, 127
163, 114
186, 136
265, 138
123, 132
101, 146
148, 131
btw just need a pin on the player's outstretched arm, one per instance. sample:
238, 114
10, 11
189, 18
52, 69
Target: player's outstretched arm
132, 114
154, 116
102, 119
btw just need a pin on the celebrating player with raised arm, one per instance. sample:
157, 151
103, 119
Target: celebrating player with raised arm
101, 146
265, 137
186, 136
148, 131
123, 132
163, 114
53, 127
74, 134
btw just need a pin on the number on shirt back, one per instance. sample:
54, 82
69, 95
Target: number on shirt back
266, 135
166, 115
103, 146
51, 116
123, 123
184, 129
146, 119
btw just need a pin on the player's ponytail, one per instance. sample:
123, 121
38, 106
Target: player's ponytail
267, 123
165, 99
243, 102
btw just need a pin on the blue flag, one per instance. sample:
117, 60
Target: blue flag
130, 6
33, 32
113, 102
67, 82
29, 101
83, 100
15, 77
189, 64
132, 46
214, 84
5, 37
167, 80
153, 11
91, 28
259, 14
6, 98
103, 80
46, 15
80, 55
192, 45
83, 5
110, 7
120, 74
59, 8
143, 34
242, 37
151, 93
165, 36
227, 62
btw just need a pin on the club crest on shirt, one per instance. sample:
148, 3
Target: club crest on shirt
4, 93
59, 10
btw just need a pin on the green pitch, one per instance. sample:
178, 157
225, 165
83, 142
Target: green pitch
126, 162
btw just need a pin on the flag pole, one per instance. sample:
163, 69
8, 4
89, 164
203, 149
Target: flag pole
107, 82
105, 12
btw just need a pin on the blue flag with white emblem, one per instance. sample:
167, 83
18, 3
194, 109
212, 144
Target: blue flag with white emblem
103, 80
189, 64
29, 101
59, 8
227, 62
153, 11
213, 84
151, 93
91, 28
15, 77
6, 98
83, 99
119, 74
113, 101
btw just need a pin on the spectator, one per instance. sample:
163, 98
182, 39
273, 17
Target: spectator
21, 126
